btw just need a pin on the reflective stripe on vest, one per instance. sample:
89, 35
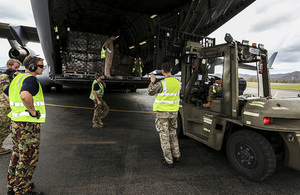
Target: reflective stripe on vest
102, 52
99, 93
18, 112
25, 114
15, 104
168, 99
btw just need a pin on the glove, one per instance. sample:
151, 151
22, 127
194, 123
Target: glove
214, 88
108, 50
38, 114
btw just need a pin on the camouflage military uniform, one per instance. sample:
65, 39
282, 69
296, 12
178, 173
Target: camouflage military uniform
213, 89
166, 125
4, 110
26, 142
100, 111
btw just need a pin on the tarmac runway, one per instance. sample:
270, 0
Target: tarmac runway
124, 157
276, 93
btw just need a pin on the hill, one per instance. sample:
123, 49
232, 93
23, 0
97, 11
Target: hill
290, 77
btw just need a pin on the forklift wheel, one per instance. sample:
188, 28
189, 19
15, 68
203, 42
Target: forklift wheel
251, 155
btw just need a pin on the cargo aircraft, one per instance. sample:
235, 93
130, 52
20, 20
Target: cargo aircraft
72, 32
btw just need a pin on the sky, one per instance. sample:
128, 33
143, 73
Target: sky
274, 23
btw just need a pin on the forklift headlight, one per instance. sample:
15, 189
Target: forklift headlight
245, 42
261, 46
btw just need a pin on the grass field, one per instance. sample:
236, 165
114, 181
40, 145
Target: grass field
287, 86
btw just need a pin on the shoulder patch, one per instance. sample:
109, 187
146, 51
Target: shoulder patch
4, 78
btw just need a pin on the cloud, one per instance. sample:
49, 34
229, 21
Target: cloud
270, 23
273, 23
16, 12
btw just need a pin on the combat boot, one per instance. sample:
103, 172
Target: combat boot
164, 162
35, 193
95, 125
176, 159
4, 151
10, 191
207, 105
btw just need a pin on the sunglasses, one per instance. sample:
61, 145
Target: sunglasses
40, 66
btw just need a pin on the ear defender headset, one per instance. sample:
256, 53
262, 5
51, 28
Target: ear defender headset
32, 64
97, 75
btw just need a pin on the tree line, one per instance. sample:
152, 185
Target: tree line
276, 80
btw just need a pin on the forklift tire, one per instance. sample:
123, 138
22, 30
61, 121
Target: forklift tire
251, 155
179, 130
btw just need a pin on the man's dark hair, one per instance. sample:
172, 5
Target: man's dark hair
31, 59
166, 67
97, 75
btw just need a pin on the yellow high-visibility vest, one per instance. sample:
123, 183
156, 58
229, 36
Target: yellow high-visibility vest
140, 64
102, 52
168, 99
18, 112
99, 93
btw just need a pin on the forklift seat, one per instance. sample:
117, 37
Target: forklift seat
216, 105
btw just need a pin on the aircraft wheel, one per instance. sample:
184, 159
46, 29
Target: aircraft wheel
251, 155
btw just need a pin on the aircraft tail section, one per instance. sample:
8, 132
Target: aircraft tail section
272, 59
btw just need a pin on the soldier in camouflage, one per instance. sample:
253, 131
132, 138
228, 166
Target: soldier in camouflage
167, 105
213, 89
138, 67
5, 78
27, 113
100, 107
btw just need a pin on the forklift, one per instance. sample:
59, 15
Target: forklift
255, 129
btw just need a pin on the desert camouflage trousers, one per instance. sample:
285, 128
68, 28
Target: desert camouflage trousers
24, 159
108, 63
100, 111
211, 94
166, 125
4, 128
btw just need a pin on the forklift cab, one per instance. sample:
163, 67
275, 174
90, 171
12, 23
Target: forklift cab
223, 62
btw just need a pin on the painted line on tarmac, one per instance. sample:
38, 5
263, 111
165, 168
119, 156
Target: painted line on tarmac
113, 110
275, 94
